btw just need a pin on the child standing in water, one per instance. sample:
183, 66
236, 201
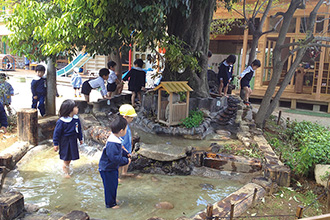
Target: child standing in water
112, 157
66, 133
128, 112
76, 81
6, 91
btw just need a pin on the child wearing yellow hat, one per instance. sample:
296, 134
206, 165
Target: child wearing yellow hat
128, 112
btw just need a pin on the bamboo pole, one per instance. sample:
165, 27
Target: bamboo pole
209, 211
299, 212
232, 207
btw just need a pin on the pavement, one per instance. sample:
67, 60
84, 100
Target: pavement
21, 82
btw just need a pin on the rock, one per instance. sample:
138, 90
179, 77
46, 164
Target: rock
321, 173
183, 218
206, 186
155, 218
75, 215
223, 133
164, 205
162, 152
154, 179
11, 205
31, 208
46, 127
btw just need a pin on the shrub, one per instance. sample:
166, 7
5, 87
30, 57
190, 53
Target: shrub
194, 119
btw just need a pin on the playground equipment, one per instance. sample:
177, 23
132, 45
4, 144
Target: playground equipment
79, 61
8, 62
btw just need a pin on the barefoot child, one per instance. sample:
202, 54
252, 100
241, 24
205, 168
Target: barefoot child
66, 133
112, 157
76, 81
128, 112
246, 77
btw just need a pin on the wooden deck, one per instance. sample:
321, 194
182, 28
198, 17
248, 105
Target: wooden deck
295, 98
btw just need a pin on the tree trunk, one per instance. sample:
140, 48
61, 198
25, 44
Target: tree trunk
51, 88
195, 31
277, 64
116, 56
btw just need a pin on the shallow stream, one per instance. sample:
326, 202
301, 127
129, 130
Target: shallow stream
41, 181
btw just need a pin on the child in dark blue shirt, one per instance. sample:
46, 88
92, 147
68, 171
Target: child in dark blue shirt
66, 133
225, 73
112, 157
3, 119
39, 91
246, 77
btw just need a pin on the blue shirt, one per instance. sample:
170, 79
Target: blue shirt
127, 140
38, 86
76, 80
3, 116
113, 156
67, 126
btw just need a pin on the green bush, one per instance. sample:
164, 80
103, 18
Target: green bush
194, 119
302, 145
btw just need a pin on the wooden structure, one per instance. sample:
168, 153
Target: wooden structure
27, 125
8, 62
316, 62
176, 111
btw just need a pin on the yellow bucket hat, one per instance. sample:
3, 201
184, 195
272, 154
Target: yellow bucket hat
127, 110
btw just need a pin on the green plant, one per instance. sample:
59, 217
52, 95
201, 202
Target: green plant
194, 119
12, 122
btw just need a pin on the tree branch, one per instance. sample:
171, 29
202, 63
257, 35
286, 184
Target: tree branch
278, 14
254, 14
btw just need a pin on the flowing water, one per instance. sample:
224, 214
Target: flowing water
41, 181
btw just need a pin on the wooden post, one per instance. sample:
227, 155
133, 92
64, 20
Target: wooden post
159, 103
170, 116
27, 125
254, 196
232, 207
271, 188
279, 117
187, 104
328, 195
245, 48
293, 104
299, 212
209, 211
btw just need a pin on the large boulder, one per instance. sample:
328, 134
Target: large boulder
322, 172
163, 152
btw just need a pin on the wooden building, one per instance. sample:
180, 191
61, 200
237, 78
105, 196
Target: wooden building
315, 91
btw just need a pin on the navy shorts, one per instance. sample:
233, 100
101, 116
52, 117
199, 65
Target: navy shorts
86, 88
111, 87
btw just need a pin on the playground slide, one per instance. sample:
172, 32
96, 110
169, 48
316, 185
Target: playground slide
79, 61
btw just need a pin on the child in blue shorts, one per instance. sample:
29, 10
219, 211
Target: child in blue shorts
112, 157
246, 77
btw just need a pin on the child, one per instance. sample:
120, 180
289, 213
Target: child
113, 79
112, 157
246, 77
66, 133
76, 80
128, 112
225, 73
87, 86
137, 80
6, 91
3, 119
39, 91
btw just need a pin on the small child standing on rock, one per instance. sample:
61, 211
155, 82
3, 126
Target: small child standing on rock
66, 133
39, 91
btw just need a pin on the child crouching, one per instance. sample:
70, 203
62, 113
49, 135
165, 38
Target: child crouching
112, 157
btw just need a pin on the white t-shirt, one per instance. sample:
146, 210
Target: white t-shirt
112, 77
98, 82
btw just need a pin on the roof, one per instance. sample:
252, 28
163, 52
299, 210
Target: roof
174, 86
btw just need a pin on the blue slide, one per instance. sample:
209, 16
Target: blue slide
79, 61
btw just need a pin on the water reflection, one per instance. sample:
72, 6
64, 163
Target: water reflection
42, 183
